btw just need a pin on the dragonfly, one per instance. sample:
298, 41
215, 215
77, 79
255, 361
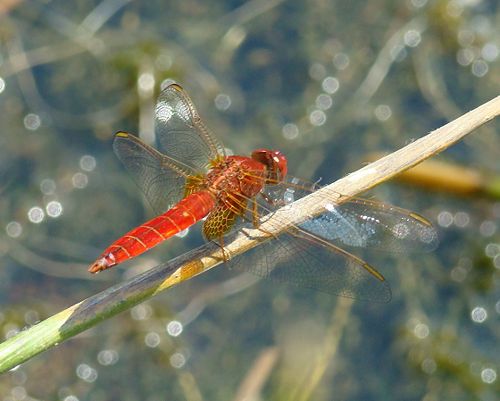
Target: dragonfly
189, 177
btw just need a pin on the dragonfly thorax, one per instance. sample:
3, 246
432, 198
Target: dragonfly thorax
236, 175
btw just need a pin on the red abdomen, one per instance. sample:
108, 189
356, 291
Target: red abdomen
187, 212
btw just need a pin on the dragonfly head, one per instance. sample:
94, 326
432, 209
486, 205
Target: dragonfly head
275, 161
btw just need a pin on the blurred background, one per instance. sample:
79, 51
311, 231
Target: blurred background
330, 83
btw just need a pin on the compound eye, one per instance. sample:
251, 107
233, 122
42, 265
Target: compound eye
280, 164
275, 162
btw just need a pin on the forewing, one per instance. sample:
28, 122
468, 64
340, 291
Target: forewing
160, 179
369, 224
180, 132
360, 222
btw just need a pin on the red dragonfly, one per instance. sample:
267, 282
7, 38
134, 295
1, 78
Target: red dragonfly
191, 178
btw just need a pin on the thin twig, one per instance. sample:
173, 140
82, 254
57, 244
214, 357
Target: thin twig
124, 296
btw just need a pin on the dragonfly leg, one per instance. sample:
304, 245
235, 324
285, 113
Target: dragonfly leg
255, 214
256, 219
225, 255
272, 202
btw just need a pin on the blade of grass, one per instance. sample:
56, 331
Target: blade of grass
123, 296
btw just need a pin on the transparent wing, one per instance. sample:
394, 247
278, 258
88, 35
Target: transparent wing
304, 262
180, 132
161, 180
364, 223
311, 255
361, 222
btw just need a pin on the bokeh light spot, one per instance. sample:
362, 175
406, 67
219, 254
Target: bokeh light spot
461, 219
174, 328
465, 57
107, 357
146, 82
488, 375
429, 366
412, 38
330, 85
341, 61
80, 180
14, 229
317, 71
479, 68
86, 373
324, 101
317, 117
479, 314
290, 131
141, 312
445, 219
54, 209
164, 62
222, 101
421, 330
152, 339
177, 360
458, 274
48, 186
88, 163
32, 121
383, 112
36, 214
490, 52
491, 250
487, 228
